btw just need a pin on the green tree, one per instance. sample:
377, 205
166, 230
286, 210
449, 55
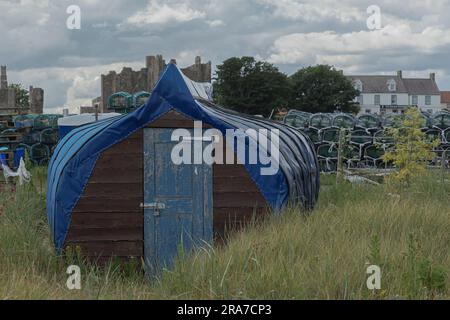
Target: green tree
250, 86
322, 88
412, 147
22, 96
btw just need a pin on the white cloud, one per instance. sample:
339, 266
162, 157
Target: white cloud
68, 87
40, 51
347, 49
162, 14
215, 23
314, 11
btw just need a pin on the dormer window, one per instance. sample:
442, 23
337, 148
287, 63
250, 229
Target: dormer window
357, 84
392, 85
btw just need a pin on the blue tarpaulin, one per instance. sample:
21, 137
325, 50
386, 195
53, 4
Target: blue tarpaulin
75, 157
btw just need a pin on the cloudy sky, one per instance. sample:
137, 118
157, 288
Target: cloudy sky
40, 50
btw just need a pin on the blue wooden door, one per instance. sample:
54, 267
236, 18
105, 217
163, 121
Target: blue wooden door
177, 202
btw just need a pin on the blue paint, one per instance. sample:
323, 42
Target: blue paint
185, 191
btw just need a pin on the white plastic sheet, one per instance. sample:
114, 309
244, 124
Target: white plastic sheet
22, 172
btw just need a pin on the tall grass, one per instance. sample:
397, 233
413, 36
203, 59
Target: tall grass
323, 255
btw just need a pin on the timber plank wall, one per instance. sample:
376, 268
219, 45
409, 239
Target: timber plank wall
108, 221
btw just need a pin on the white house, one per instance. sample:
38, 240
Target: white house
393, 94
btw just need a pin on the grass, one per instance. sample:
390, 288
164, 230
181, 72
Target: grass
323, 255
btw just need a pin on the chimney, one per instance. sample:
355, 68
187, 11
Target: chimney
3, 78
400, 73
433, 76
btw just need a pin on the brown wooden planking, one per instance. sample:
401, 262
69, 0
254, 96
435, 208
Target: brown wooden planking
107, 220
239, 200
111, 190
108, 204
103, 174
86, 234
230, 170
126, 147
102, 261
237, 214
234, 184
121, 160
110, 248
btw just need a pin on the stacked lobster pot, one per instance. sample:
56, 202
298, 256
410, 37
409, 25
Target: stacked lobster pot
367, 137
438, 128
40, 137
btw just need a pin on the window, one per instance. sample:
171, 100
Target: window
392, 85
428, 100
415, 100
394, 100
360, 99
377, 99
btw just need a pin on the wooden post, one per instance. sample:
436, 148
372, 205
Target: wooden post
444, 156
340, 154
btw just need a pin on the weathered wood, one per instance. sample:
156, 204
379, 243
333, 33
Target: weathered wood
230, 170
106, 219
102, 261
126, 147
109, 248
240, 213
121, 160
86, 234
239, 199
104, 174
234, 184
112, 190
109, 204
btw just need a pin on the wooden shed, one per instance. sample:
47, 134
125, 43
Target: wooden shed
114, 189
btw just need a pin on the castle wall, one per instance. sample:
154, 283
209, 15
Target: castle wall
36, 100
8, 97
145, 79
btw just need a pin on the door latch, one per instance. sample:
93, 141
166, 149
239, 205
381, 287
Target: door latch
156, 206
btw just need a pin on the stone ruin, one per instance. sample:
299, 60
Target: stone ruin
8, 105
7, 95
36, 100
131, 81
